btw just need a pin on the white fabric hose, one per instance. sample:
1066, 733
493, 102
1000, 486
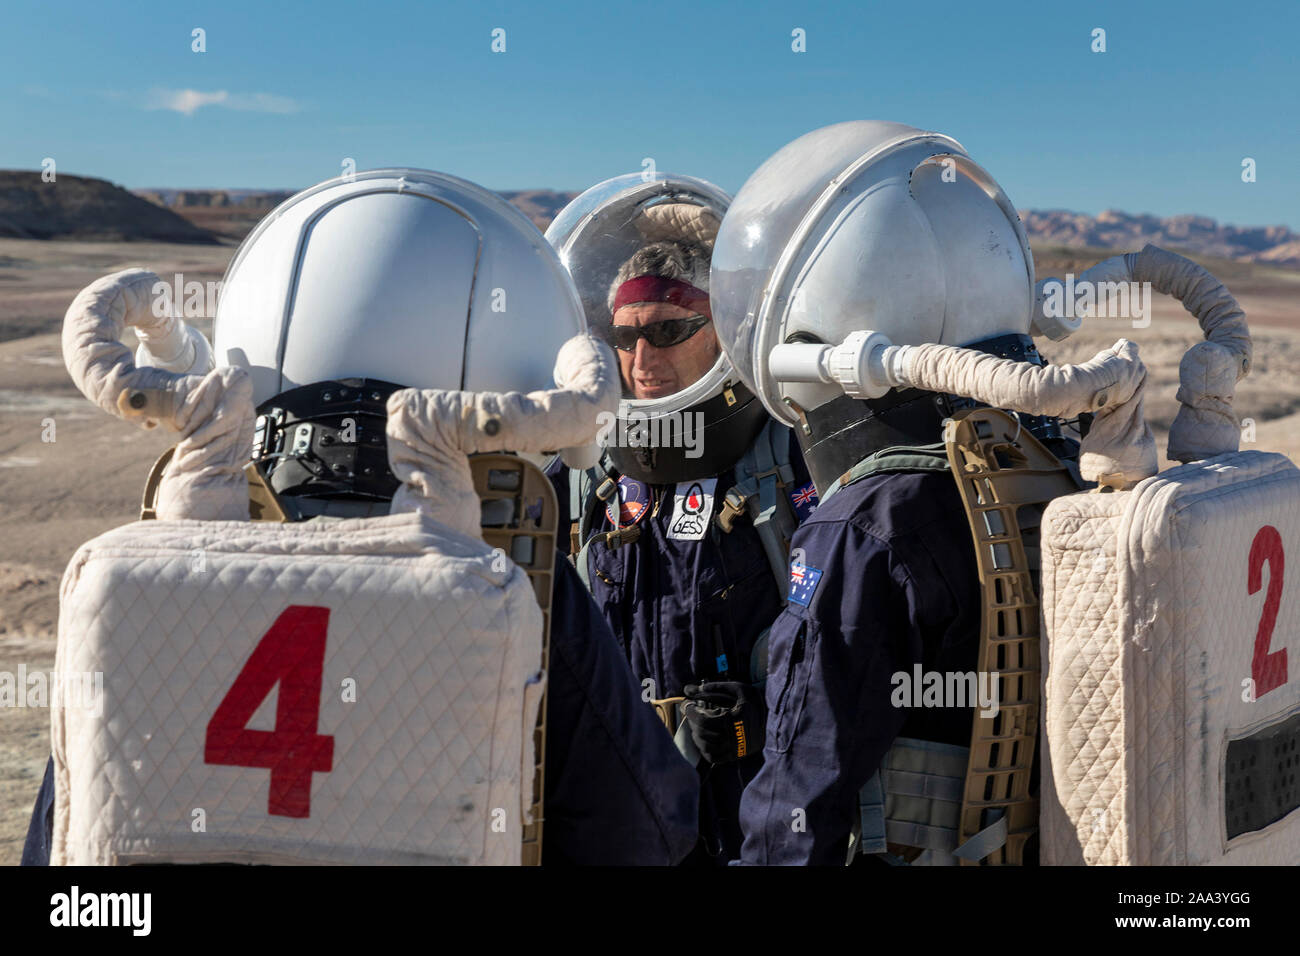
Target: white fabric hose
1111, 384
432, 431
1205, 425
175, 347
213, 413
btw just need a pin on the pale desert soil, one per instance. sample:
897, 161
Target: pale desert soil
56, 495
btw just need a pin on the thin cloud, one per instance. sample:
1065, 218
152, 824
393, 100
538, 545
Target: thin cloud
189, 101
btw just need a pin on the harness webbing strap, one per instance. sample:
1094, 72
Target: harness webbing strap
576, 498
907, 833
871, 811
914, 800
897, 458
763, 474
992, 837
580, 564
910, 784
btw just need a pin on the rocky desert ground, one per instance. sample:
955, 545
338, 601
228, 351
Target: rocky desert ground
69, 472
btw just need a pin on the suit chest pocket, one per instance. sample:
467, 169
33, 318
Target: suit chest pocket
792, 679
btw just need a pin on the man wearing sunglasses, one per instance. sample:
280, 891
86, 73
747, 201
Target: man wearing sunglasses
689, 596
662, 330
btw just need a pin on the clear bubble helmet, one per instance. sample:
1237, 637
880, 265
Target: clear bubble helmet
594, 235
865, 225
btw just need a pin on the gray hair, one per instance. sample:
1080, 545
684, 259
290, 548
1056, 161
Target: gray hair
668, 259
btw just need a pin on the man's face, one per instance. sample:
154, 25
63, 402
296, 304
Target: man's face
653, 373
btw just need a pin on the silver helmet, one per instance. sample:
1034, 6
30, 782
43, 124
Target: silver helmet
867, 225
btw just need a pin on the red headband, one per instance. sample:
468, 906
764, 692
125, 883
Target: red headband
659, 289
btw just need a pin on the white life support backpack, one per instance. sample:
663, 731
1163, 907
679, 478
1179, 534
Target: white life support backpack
358, 691
335, 691
1171, 669
1171, 696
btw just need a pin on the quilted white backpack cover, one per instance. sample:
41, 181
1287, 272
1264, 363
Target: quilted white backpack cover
331, 691
1172, 669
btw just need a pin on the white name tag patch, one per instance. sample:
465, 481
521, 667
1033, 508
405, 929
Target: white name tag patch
692, 509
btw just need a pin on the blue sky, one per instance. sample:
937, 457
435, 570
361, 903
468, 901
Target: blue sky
1158, 123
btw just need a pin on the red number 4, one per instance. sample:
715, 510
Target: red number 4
1268, 671
292, 652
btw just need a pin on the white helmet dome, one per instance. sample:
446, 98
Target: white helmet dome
865, 225
390, 278
401, 275
604, 227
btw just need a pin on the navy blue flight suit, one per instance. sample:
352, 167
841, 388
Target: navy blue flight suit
690, 611
617, 790
889, 581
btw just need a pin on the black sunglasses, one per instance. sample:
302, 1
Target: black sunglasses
663, 334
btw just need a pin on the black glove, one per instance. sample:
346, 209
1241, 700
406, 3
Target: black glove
728, 719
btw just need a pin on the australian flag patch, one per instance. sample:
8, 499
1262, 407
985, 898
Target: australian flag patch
803, 583
804, 501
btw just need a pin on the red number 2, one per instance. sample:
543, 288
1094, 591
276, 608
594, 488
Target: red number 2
1268, 671
293, 653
